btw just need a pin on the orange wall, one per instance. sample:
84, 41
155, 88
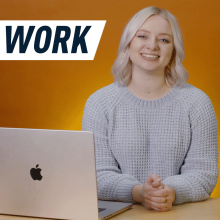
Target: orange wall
52, 94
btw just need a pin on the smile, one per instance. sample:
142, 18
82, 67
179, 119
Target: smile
150, 56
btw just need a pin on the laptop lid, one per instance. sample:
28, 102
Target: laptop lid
66, 162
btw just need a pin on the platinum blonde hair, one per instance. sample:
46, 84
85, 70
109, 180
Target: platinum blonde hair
175, 73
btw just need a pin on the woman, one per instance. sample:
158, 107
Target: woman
155, 135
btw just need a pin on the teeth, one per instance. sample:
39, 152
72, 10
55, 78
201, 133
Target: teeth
151, 56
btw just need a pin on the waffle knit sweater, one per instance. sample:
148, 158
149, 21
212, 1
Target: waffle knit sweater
174, 137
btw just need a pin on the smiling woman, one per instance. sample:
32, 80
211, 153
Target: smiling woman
175, 73
155, 135
146, 43
150, 51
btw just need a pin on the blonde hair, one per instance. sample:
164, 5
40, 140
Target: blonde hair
175, 73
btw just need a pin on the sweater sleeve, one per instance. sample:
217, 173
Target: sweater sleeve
111, 183
199, 172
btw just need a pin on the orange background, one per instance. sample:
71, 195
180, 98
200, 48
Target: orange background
52, 94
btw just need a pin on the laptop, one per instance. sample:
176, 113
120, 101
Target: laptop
51, 174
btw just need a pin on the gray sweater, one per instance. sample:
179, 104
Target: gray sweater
174, 136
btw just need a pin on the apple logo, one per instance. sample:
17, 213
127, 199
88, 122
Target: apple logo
35, 173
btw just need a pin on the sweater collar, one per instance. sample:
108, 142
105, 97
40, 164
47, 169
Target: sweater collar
130, 97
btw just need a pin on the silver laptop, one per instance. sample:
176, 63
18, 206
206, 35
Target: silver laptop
51, 174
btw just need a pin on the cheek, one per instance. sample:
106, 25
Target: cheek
134, 50
136, 45
168, 54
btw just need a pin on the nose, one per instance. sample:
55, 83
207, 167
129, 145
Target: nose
152, 45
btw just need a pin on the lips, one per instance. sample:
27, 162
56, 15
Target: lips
150, 56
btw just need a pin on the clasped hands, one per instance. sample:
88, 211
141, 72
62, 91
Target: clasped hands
154, 194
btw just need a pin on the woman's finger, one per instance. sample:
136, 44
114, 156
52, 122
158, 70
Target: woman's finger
159, 193
162, 199
157, 205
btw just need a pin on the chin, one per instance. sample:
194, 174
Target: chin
150, 69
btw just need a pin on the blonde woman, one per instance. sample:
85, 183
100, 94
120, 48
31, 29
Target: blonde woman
155, 134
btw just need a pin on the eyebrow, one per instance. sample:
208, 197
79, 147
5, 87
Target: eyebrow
159, 33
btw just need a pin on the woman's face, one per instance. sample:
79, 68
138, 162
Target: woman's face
152, 46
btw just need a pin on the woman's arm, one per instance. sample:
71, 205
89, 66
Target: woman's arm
199, 173
112, 184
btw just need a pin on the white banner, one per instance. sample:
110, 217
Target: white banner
50, 40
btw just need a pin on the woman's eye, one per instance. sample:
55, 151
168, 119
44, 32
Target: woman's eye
164, 40
142, 36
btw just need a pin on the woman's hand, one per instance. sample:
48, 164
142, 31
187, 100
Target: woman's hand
154, 194
160, 200
139, 192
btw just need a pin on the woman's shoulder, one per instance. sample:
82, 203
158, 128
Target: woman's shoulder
193, 94
104, 96
193, 97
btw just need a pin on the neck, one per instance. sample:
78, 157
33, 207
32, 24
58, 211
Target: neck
148, 81
148, 85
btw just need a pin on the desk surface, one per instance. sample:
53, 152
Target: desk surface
209, 209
